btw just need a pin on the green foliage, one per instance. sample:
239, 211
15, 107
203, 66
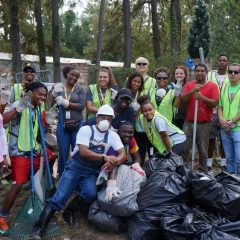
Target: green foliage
199, 33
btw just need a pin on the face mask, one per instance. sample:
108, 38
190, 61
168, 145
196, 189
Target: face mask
103, 125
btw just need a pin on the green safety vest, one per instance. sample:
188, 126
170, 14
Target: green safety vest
96, 99
149, 83
166, 107
212, 76
24, 133
230, 108
153, 134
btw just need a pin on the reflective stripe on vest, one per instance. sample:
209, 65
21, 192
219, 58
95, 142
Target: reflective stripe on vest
153, 134
17, 89
230, 109
166, 107
96, 99
149, 83
24, 133
212, 77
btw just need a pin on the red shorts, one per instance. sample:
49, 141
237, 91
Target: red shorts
21, 166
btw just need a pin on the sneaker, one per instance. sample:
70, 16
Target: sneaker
3, 225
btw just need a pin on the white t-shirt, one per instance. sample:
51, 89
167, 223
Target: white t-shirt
84, 134
162, 126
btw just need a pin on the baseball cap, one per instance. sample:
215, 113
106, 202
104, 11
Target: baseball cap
105, 110
124, 92
29, 66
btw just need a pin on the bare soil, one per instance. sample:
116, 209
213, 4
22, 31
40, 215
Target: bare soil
84, 232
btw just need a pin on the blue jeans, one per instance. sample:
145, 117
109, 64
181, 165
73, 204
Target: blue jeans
64, 143
75, 175
231, 146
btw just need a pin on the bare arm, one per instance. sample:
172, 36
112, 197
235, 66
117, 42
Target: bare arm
91, 108
208, 101
177, 101
2, 108
136, 157
224, 123
166, 140
9, 116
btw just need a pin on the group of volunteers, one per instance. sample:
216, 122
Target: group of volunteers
150, 116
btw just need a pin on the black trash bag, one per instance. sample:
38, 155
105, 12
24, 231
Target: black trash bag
183, 223
162, 191
141, 228
220, 194
104, 221
157, 162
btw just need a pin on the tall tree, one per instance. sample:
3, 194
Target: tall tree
199, 33
14, 35
127, 33
100, 32
175, 24
56, 40
40, 33
155, 30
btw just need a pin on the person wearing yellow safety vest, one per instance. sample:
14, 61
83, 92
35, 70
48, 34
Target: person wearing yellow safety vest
229, 118
165, 102
19, 144
72, 97
164, 136
142, 65
220, 77
102, 92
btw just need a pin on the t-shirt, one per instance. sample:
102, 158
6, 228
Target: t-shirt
127, 115
132, 147
84, 134
205, 113
162, 126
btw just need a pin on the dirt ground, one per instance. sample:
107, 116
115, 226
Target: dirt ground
85, 231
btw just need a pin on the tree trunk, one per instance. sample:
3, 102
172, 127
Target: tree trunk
14, 36
100, 32
175, 23
40, 34
127, 33
56, 41
155, 30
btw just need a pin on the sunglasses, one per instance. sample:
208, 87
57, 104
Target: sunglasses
141, 64
29, 71
162, 78
233, 71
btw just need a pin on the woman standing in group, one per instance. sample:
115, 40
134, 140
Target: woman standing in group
102, 92
72, 98
135, 84
163, 135
180, 78
166, 97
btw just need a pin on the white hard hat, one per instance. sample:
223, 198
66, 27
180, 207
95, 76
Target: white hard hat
105, 110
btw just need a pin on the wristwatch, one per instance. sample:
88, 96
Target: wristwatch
103, 157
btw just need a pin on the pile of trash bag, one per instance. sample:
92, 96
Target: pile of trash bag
220, 194
162, 191
181, 223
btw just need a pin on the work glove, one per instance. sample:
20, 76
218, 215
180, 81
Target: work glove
137, 168
160, 93
112, 190
51, 115
5, 97
135, 106
102, 177
114, 94
24, 102
58, 88
177, 90
62, 101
